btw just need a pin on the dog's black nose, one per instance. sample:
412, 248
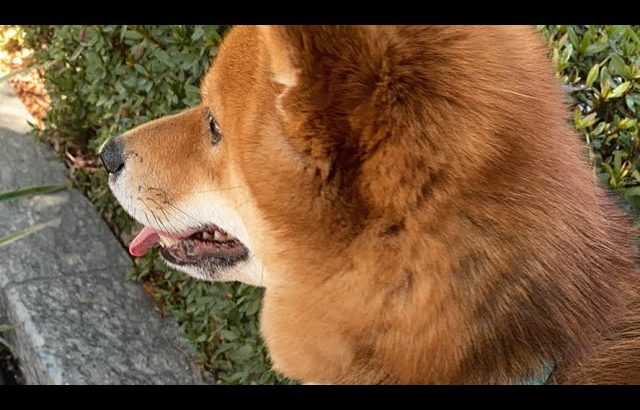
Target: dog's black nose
111, 155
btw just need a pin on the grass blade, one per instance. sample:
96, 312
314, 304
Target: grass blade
32, 190
3, 342
6, 344
17, 235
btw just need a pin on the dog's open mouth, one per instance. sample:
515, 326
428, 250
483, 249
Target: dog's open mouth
210, 244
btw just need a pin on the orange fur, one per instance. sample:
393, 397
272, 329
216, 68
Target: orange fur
422, 208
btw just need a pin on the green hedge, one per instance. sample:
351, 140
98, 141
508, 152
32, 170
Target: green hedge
104, 80
602, 66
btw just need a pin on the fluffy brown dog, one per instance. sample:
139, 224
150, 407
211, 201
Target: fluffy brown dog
412, 198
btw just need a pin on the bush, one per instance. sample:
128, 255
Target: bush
104, 80
602, 66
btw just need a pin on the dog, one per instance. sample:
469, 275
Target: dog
413, 199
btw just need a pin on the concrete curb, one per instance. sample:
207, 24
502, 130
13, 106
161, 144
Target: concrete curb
78, 319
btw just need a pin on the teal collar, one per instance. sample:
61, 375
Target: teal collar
542, 378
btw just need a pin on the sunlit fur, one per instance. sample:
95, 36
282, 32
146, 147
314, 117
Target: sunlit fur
415, 202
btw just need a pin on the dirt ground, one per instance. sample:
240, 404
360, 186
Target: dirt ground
29, 84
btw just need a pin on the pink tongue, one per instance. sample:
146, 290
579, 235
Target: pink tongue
144, 241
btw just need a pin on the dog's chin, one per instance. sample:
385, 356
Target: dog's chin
248, 271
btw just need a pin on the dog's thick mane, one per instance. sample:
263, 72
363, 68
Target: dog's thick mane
478, 236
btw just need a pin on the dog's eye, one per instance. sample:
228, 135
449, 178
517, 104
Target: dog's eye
214, 129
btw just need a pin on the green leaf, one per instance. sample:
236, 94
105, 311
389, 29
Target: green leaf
77, 53
617, 162
628, 99
586, 40
163, 56
228, 335
607, 168
192, 91
633, 191
627, 123
577, 115
575, 41
605, 88
618, 91
555, 58
566, 54
595, 48
253, 307
617, 32
632, 34
133, 35
588, 121
598, 129
604, 82
123, 30
593, 74
617, 63
243, 353
198, 33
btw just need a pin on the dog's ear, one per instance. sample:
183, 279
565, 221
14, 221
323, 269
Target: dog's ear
326, 78
321, 53
321, 78
281, 54
332, 68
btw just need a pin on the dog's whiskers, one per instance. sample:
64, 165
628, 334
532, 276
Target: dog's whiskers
205, 191
156, 217
144, 210
182, 212
166, 217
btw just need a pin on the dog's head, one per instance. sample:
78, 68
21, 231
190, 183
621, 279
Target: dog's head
182, 175
264, 159
305, 139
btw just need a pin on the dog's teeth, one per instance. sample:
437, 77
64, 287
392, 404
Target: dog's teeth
219, 237
189, 248
207, 236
